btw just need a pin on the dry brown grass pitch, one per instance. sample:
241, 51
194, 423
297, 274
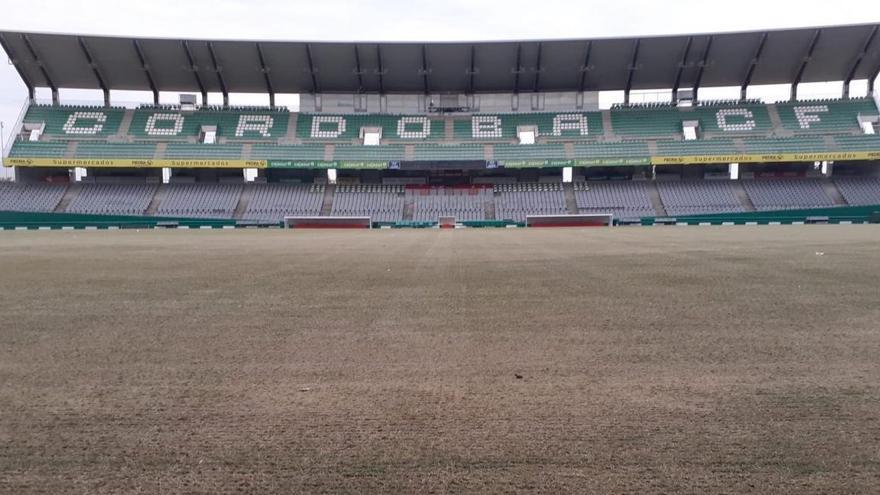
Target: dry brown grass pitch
676, 360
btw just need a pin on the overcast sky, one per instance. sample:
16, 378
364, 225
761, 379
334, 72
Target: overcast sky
406, 20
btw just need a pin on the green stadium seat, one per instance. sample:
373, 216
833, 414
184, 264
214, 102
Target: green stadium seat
729, 120
312, 152
115, 150
75, 121
697, 147
38, 149
825, 116
864, 142
151, 123
550, 125
530, 152
362, 153
611, 150
348, 127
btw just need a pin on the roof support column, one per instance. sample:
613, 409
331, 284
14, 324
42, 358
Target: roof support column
744, 87
265, 71
219, 71
95, 69
42, 66
704, 61
804, 62
195, 70
633, 65
146, 67
14, 61
858, 62
681, 65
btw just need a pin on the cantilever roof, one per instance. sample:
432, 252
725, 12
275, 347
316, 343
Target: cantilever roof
723, 59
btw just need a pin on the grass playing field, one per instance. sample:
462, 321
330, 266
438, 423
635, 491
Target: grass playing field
631, 360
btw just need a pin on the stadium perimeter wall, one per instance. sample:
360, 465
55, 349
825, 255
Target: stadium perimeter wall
10, 220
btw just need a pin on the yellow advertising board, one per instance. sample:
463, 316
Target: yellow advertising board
766, 158
130, 163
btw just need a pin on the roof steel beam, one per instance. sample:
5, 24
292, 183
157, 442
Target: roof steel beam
42, 66
586, 67
265, 70
681, 65
518, 70
424, 71
806, 60
858, 61
95, 69
704, 61
472, 72
146, 67
219, 71
873, 80
538, 69
380, 70
312, 71
359, 72
195, 70
15, 63
633, 65
747, 80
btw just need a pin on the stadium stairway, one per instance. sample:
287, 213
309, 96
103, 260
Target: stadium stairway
606, 125
158, 197
490, 209
290, 137
775, 119
125, 124
327, 205
743, 196
69, 194
247, 193
70, 152
449, 130
656, 201
834, 193
570, 199
409, 207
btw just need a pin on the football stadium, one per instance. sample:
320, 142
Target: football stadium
353, 295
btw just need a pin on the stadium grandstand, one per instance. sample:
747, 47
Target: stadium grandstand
408, 133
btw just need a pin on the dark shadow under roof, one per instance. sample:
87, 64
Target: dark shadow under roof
816, 54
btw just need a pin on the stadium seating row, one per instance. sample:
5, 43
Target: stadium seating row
387, 203
663, 122
447, 152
